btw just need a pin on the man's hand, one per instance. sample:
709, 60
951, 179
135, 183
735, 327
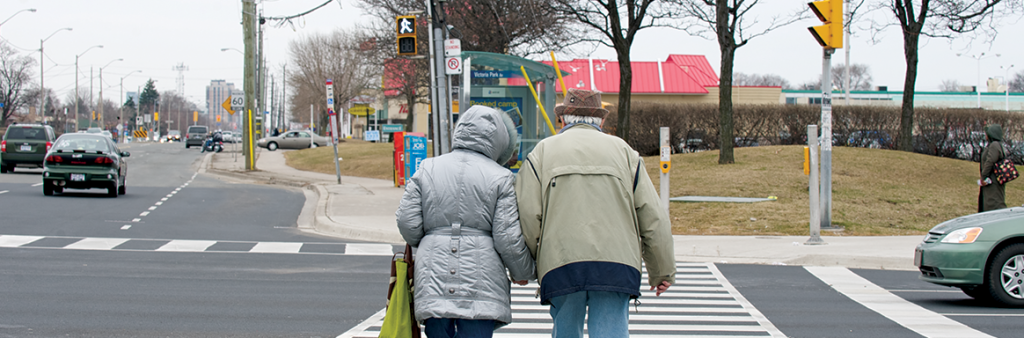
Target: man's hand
661, 287
520, 282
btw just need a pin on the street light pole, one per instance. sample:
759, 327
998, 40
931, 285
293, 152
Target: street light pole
76, 82
1006, 78
42, 87
101, 85
980, 84
16, 13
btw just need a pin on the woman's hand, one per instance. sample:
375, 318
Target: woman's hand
520, 282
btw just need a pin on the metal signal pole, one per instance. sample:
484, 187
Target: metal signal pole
249, 86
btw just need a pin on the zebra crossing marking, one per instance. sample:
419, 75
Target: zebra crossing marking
702, 303
165, 245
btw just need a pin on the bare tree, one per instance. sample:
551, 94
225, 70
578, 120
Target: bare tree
15, 74
860, 77
323, 56
939, 18
765, 80
1017, 83
733, 29
618, 22
949, 86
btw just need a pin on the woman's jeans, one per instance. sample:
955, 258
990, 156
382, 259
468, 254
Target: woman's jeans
458, 328
608, 314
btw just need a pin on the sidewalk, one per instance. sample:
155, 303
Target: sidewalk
364, 209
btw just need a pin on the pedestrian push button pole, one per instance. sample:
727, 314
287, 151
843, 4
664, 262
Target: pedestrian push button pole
666, 163
811, 169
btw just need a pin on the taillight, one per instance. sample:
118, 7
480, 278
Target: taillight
54, 159
48, 145
104, 160
3, 146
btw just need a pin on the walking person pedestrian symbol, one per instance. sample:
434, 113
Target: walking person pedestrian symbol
405, 26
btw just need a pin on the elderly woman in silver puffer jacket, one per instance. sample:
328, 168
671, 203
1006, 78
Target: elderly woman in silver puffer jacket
460, 212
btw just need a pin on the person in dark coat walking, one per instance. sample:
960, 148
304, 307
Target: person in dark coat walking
992, 195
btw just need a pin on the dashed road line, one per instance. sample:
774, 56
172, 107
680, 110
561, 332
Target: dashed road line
168, 245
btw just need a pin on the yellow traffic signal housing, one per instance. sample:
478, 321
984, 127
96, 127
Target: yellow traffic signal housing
829, 35
405, 30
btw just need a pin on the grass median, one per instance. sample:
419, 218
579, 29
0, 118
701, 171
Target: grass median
875, 192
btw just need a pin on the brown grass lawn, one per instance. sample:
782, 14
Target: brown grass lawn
875, 192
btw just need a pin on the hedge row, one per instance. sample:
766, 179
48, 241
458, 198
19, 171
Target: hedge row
955, 133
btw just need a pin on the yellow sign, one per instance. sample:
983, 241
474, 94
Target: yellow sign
227, 106
156, 116
362, 110
195, 116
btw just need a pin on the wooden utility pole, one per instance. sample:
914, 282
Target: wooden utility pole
249, 79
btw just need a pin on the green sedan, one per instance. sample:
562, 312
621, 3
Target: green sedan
982, 254
85, 161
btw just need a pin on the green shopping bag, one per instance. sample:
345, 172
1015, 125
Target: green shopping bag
398, 320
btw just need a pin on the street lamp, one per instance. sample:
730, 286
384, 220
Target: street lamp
76, 82
42, 88
121, 122
979, 57
16, 13
234, 49
1006, 78
101, 87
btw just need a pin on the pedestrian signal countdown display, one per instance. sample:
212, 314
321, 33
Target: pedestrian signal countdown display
405, 28
829, 35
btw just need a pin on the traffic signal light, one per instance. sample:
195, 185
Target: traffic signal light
218, 117
829, 35
405, 29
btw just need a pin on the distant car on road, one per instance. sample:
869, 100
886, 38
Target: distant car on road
292, 140
196, 135
982, 254
85, 161
25, 145
173, 136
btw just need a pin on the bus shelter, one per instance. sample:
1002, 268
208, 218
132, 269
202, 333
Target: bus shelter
497, 80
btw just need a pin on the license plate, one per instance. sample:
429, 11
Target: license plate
78, 177
917, 257
26, 147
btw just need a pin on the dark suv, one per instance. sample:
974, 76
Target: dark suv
25, 145
196, 135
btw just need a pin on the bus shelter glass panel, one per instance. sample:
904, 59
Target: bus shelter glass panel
496, 80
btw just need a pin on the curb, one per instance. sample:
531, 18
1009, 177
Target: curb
324, 224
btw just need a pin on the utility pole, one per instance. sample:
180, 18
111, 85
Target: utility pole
248, 26
440, 79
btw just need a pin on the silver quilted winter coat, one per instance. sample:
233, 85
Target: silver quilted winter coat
459, 210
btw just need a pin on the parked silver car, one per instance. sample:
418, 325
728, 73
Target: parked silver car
292, 140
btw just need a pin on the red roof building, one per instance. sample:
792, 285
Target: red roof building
679, 74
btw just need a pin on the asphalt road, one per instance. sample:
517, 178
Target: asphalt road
180, 255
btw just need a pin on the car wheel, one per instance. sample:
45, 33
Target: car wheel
1005, 280
112, 189
186, 145
47, 189
59, 190
122, 189
272, 146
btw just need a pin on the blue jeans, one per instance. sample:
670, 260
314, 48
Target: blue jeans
458, 328
608, 314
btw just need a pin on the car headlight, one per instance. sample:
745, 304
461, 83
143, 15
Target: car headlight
963, 236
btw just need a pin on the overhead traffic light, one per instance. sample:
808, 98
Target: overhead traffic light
829, 35
405, 29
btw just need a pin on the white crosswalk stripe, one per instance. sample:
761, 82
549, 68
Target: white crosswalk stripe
164, 245
702, 303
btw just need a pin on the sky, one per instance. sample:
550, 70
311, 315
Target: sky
156, 36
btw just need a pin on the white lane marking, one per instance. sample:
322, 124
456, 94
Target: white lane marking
96, 243
152, 208
37, 184
985, 314
276, 247
14, 241
186, 245
169, 196
4, 191
358, 329
754, 312
144, 214
136, 219
164, 199
907, 314
158, 203
369, 249
126, 227
177, 190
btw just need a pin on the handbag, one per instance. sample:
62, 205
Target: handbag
400, 318
1004, 170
